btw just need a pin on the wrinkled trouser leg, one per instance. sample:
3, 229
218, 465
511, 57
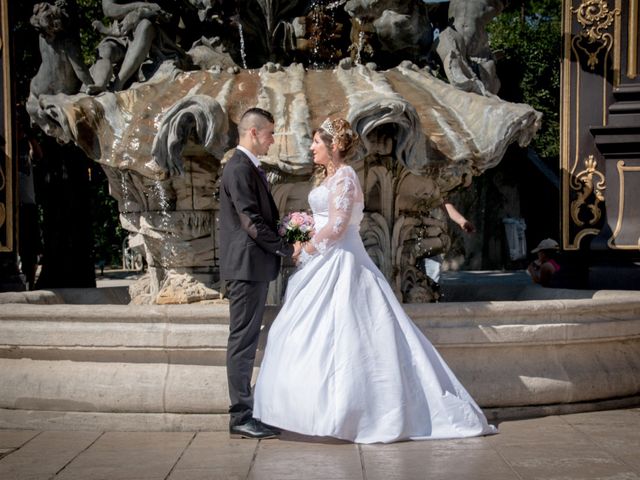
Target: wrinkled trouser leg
246, 307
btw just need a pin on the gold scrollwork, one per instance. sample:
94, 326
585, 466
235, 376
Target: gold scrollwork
595, 18
586, 185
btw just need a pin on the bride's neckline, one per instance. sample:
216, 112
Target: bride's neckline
328, 177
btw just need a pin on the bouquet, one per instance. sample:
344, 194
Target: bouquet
296, 226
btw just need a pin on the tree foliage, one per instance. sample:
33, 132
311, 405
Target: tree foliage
527, 40
88, 11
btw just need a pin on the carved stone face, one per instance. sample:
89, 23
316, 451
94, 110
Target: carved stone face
390, 26
48, 20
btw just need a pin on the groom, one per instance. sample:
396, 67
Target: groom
250, 253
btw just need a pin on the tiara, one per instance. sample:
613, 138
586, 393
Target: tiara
328, 127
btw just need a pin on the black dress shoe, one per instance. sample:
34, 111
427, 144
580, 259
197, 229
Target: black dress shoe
251, 429
275, 430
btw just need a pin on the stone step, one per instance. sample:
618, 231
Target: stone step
165, 365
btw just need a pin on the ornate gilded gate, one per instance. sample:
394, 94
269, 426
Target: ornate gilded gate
600, 134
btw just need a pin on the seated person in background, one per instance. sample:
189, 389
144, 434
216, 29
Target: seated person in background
545, 266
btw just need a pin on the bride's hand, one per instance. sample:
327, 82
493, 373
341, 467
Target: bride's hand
308, 248
307, 252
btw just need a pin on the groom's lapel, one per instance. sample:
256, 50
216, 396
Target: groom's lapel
257, 170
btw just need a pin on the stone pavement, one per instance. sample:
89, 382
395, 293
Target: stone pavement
595, 445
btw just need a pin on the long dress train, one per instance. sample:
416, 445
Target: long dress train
342, 357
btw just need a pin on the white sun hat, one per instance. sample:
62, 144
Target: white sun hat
546, 244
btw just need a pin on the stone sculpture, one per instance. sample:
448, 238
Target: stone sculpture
464, 46
384, 30
62, 69
134, 34
162, 143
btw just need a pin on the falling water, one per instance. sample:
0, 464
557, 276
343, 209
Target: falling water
315, 49
243, 53
168, 249
325, 50
124, 186
360, 46
332, 8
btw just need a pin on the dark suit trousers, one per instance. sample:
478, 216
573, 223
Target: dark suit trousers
246, 306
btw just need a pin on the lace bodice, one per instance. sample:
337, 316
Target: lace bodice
337, 203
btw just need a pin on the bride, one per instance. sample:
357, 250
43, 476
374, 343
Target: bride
342, 358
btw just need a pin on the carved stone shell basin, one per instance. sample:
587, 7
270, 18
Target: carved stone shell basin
405, 113
162, 142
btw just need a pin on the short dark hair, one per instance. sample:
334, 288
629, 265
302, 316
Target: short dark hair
259, 111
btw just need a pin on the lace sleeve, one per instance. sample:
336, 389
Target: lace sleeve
343, 191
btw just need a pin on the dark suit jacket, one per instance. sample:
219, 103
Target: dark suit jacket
250, 247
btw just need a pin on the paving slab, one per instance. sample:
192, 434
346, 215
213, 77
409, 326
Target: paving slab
472, 459
537, 431
10, 439
45, 455
567, 462
595, 445
213, 456
129, 455
294, 457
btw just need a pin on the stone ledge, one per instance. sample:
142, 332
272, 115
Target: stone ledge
533, 411
215, 356
169, 360
119, 422
185, 329
37, 297
176, 422
117, 313
112, 387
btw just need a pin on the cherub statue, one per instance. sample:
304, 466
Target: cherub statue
62, 69
464, 47
387, 31
128, 40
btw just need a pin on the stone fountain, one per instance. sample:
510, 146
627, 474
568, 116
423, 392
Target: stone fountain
162, 139
162, 131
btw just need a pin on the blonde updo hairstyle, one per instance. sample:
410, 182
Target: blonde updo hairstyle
338, 132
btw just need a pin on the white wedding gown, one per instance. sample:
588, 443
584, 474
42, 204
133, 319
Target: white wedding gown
342, 357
